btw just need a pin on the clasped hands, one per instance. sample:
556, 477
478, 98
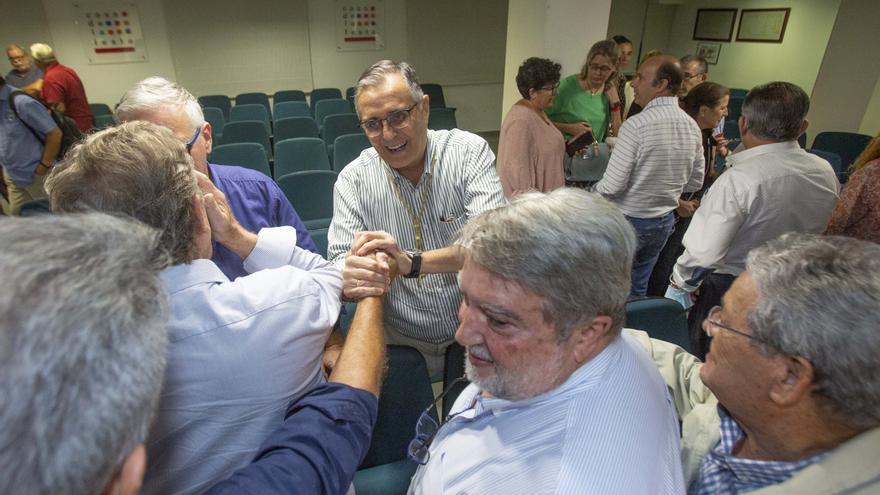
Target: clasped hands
371, 264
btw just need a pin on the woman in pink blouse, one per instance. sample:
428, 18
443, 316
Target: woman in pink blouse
857, 212
531, 149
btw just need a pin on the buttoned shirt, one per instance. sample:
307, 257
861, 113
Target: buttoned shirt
765, 192
257, 202
464, 184
239, 352
658, 155
20, 150
609, 428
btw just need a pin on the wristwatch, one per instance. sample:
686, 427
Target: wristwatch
416, 270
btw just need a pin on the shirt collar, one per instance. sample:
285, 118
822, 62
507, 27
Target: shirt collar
662, 101
184, 276
761, 150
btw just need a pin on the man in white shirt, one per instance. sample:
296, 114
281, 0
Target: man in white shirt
770, 188
560, 401
658, 155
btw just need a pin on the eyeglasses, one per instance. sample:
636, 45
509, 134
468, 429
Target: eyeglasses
600, 68
712, 320
552, 89
189, 145
427, 428
397, 119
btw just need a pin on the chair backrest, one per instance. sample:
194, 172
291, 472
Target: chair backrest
104, 121
300, 154
435, 95
405, 393
319, 94
217, 101
288, 95
214, 116
731, 129
442, 118
348, 147
248, 155
247, 131
250, 112
734, 108
833, 159
349, 95
662, 318
294, 127
254, 99
310, 192
338, 125
802, 140
738, 92
330, 106
98, 109
846, 144
320, 238
287, 109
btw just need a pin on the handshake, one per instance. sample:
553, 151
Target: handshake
371, 264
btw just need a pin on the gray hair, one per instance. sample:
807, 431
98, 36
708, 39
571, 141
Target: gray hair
571, 247
42, 53
137, 169
377, 73
702, 65
157, 94
82, 349
15, 47
819, 298
776, 111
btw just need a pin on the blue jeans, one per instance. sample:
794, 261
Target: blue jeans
651, 234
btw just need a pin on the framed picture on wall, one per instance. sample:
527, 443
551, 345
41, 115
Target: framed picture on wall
709, 51
763, 25
714, 24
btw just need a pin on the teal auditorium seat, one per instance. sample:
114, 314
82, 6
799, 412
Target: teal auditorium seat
288, 95
217, 101
254, 99
214, 116
406, 392
294, 127
442, 118
247, 131
338, 125
248, 155
320, 238
734, 108
662, 318
330, 106
847, 145
251, 112
287, 109
104, 121
738, 92
731, 129
349, 95
98, 109
311, 194
435, 95
802, 140
319, 94
348, 147
300, 154
834, 160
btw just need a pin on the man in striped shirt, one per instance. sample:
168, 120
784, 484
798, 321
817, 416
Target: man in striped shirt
658, 155
409, 195
560, 402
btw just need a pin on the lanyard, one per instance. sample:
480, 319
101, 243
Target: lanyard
416, 218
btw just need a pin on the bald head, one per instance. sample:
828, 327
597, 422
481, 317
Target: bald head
657, 76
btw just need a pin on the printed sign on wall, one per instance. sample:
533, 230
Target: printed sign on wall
111, 32
360, 25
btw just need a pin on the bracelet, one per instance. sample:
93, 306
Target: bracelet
615, 107
47, 167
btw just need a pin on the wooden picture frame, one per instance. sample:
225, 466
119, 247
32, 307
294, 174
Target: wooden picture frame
714, 24
709, 51
763, 25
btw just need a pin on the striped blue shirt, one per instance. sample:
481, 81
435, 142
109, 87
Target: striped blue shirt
610, 428
464, 185
723, 474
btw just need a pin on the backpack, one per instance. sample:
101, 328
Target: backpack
70, 133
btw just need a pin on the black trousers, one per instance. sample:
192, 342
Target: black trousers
711, 291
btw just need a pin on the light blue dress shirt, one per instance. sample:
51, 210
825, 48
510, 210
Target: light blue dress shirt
239, 353
610, 428
20, 150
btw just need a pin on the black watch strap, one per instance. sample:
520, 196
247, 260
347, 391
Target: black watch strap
416, 270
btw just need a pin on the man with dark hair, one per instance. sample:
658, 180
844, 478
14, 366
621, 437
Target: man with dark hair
788, 400
24, 75
29, 145
771, 187
695, 71
658, 155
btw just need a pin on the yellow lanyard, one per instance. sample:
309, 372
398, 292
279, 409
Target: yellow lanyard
416, 218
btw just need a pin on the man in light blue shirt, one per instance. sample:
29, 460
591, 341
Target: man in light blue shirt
560, 401
239, 351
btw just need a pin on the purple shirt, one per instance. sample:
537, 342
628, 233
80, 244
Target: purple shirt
256, 202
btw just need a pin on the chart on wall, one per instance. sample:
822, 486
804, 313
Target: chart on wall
111, 32
360, 25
